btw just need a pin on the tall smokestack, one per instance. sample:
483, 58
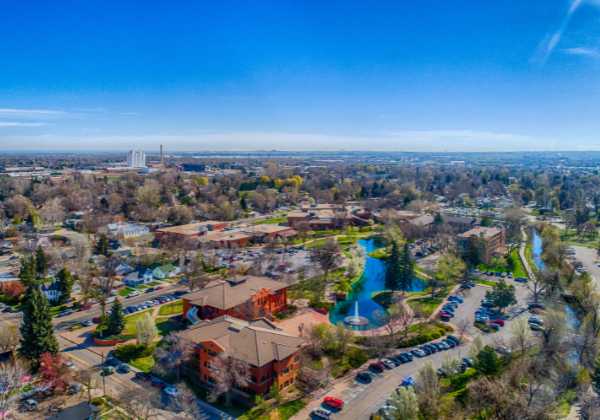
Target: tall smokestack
162, 156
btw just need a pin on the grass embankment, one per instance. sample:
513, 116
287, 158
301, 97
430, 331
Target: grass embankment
513, 265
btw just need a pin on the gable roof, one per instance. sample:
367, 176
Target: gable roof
256, 342
227, 294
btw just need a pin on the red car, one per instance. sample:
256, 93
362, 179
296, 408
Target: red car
499, 322
333, 402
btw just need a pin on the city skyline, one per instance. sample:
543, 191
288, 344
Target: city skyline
277, 75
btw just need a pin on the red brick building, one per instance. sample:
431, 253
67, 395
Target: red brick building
245, 297
271, 355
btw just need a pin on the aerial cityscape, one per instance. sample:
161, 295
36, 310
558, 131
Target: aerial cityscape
300, 210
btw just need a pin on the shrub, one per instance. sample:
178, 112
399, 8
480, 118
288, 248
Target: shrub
129, 352
356, 357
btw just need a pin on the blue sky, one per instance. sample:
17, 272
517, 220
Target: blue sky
296, 75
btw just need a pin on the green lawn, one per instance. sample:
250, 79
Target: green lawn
171, 308
426, 305
571, 237
483, 282
272, 220
144, 364
130, 321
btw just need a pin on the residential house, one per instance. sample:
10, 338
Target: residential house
272, 356
127, 230
165, 271
138, 277
245, 297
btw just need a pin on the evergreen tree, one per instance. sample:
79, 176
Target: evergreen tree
102, 246
65, 284
37, 333
596, 377
41, 263
393, 269
407, 269
27, 273
116, 321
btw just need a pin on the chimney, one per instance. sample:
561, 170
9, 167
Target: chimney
162, 156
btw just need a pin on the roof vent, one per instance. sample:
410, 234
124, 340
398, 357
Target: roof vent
234, 281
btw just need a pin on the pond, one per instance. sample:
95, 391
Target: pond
371, 281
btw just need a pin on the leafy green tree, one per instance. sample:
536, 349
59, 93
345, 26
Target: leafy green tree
116, 321
487, 361
404, 404
37, 333
502, 295
449, 269
65, 284
41, 263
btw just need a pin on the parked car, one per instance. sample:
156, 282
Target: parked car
389, 364
499, 322
321, 413
333, 402
419, 353
123, 368
377, 367
408, 381
171, 391
364, 377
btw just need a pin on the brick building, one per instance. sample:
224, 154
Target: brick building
271, 355
245, 297
482, 243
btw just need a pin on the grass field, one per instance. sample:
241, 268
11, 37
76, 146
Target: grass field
171, 308
426, 305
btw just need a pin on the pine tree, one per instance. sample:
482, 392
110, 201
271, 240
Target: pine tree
102, 246
41, 263
65, 284
27, 273
393, 269
37, 333
407, 269
116, 321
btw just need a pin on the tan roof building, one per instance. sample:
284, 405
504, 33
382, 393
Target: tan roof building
227, 294
256, 342
193, 229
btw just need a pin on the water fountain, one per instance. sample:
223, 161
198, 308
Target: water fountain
356, 320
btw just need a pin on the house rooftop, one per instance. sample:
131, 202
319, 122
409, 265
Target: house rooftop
481, 231
256, 342
191, 228
227, 294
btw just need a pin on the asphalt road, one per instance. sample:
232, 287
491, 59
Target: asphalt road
363, 400
94, 311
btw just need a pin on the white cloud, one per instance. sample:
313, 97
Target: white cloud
405, 140
32, 113
549, 43
20, 124
583, 52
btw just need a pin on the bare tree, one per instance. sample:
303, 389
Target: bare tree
146, 330
11, 375
88, 378
521, 336
230, 373
171, 356
9, 336
141, 403
428, 392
